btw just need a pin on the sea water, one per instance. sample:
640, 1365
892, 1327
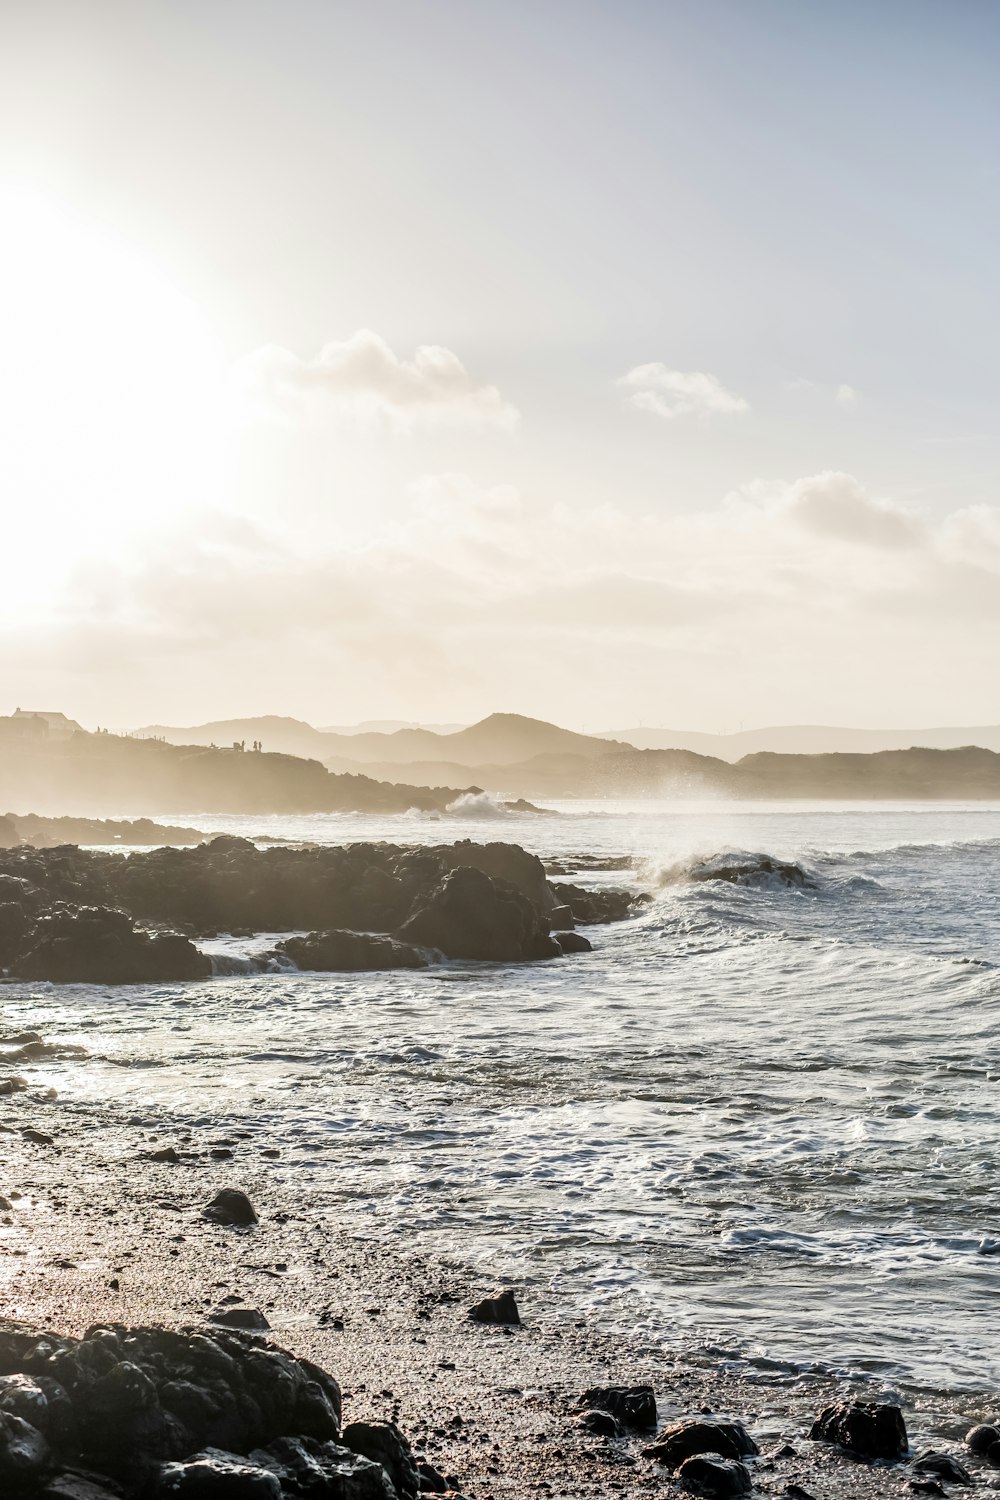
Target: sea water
759, 1123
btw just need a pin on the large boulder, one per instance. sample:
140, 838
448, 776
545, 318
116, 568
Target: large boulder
508, 862
98, 945
339, 951
468, 915
683, 1440
871, 1429
125, 1402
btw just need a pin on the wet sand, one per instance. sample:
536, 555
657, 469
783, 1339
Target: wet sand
101, 1233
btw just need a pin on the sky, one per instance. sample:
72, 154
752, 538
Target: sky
612, 363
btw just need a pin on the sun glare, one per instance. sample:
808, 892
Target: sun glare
109, 384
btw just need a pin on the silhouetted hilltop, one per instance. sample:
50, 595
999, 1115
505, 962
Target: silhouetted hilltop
98, 774
807, 739
500, 739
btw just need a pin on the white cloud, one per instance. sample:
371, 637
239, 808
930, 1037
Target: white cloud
362, 377
678, 393
846, 396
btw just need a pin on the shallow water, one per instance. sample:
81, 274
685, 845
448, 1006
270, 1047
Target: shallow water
758, 1122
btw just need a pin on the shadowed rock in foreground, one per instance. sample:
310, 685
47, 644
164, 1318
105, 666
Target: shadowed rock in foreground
73, 915
149, 1412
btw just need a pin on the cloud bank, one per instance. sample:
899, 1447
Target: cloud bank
786, 602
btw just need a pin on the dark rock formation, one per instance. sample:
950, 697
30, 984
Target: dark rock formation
752, 870
470, 916
981, 1439
499, 1309
942, 1466
633, 1405
591, 907
384, 1444
573, 942
147, 1410
715, 1477
98, 945
230, 1206
338, 951
870, 1429
682, 1440
467, 901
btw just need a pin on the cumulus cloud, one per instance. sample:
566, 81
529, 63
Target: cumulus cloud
364, 378
836, 505
846, 396
679, 393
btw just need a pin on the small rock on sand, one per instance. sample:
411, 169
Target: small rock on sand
230, 1206
499, 1309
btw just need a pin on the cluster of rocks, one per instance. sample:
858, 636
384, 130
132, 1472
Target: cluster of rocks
17, 829
196, 1414
708, 1455
69, 914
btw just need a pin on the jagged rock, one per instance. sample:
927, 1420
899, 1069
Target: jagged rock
230, 1206
432, 1481
214, 1475
470, 916
633, 1405
384, 1444
325, 1469
682, 1440
338, 951
942, 1466
590, 907
499, 1309
716, 1477
24, 1453
869, 1428
752, 870
99, 945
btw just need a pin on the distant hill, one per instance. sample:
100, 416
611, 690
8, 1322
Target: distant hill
883, 776
500, 739
806, 739
388, 726
97, 775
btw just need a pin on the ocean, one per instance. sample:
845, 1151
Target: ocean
759, 1125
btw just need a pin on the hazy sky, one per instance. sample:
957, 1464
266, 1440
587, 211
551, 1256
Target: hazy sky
610, 362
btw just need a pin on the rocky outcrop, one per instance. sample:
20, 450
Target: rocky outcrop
149, 1411
335, 952
69, 914
97, 945
468, 915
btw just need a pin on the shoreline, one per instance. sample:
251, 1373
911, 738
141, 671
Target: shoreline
102, 1233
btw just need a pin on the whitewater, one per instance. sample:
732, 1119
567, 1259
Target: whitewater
758, 1125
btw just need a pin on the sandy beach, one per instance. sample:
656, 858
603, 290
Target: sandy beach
97, 1232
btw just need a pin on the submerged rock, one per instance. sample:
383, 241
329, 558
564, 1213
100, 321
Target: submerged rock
942, 1466
752, 870
871, 1429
